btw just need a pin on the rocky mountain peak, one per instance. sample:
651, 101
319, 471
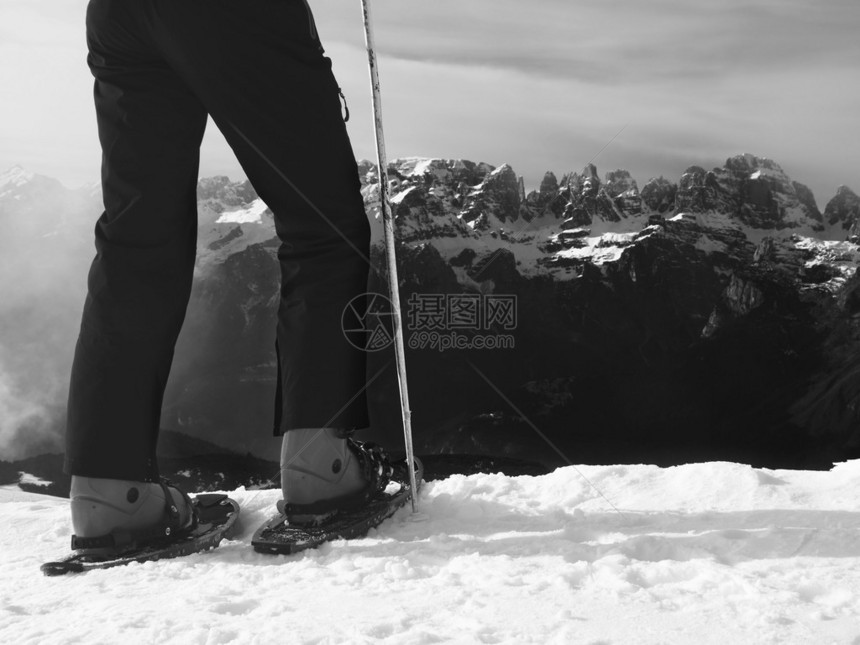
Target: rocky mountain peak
548, 185
499, 194
658, 195
589, 181
23, 185
748, 163
619, 182
429, 171
754, 191
219, 193
843, 211
15, 176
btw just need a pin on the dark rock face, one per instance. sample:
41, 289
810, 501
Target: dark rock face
807, 199
219, 193
222, 384
752, 190
498, 195
590, 199
658, 195
548, 186
844, 211
703, 320
682, 322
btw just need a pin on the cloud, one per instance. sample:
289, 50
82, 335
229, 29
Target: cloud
620, 41
537, 123
46, 114
539, 86
29, 416
41, 23
546, 86
45, 249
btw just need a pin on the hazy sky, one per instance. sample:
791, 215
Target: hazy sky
542, 85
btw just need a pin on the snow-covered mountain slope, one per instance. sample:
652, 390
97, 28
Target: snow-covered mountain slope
230, 218
696, 554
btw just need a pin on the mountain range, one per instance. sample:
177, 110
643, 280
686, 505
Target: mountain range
716, 317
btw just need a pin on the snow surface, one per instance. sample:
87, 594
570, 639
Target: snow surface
27, 478
251, 215
399, 197
706, 553
843, 256
710, 245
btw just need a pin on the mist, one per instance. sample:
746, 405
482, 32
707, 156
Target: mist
45, 250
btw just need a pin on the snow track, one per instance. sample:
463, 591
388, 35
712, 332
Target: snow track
707, 553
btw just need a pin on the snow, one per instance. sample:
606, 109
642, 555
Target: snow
251, 215
417, 166
843, 256
399, 197
441, 168
598, 254
27, 478
710, 245
840, 253
705, 553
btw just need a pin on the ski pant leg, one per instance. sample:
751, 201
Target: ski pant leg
259, 69
150, 127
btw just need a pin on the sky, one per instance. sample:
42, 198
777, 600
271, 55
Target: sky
553, 85
706, 553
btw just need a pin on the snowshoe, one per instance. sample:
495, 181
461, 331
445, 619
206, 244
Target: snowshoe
214, 515
295, 529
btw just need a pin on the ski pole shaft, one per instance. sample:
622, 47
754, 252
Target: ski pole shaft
388, 225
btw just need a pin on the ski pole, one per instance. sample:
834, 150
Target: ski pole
388, 225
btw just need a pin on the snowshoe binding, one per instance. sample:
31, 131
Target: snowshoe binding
302, 526
209, 518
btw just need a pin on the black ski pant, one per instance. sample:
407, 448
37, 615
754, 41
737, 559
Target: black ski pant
257, 67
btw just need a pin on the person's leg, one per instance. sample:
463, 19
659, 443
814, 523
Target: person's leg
260, 71
150, 128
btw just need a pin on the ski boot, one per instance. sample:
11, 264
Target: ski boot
117, 522
323, 470
334, 488
110, 516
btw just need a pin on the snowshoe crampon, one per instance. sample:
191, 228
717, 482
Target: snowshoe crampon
216, 516
278, 536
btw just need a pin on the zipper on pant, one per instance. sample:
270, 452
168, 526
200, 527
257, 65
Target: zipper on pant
345, 106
